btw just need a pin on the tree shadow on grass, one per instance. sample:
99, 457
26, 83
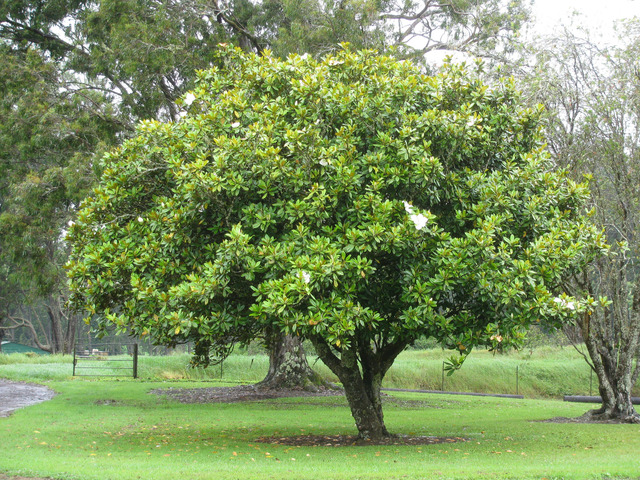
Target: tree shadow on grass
250, 393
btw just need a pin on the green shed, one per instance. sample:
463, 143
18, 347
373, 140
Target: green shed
11, 347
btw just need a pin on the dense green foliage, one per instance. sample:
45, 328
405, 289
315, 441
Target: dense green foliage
309, 181
46, 140
80, 74
353, 201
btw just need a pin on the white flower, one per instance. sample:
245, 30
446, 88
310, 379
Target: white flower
140, 219
323, 162
235, 125
70, 223
189, 98
306, 277
419, 220
563, 303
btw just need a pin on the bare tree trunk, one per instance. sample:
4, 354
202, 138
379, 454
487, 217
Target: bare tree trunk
363, 395
615, 375
361, 369
29, 325
288, 366
70, 335
56, 330
63, 326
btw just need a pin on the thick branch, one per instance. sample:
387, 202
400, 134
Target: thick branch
235, 25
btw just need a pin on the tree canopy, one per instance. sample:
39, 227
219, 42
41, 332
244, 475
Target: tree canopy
46, 141
90, 70
352, 200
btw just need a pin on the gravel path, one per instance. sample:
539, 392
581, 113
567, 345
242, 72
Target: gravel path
14, 395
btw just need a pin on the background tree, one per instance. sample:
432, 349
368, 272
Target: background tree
45, 142
593, 127
352, 201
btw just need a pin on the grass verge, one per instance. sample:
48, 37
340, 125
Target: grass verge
116, 430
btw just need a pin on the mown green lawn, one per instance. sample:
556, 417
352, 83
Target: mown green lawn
117, 430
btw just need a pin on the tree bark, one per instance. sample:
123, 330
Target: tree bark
288, 366
63, 327
615, 375
361, 368
363, 395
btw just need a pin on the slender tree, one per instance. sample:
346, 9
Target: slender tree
593, 127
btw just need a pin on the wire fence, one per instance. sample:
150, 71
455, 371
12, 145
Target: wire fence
105, 360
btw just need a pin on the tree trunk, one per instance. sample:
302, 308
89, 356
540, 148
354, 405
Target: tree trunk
363, 395
63, 327
361, 368
288, 366
615, 377
70, 335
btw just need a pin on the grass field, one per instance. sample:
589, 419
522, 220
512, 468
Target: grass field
114, 429
542, 373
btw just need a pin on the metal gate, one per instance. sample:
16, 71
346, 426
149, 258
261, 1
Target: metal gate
105, 360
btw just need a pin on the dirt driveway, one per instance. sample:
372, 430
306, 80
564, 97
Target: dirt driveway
14, 395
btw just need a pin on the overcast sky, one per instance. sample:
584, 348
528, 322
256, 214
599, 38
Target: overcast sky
597, 15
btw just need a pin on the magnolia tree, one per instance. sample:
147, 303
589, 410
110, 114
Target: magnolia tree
352, 201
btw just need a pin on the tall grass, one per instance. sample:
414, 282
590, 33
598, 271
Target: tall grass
21, 367
543, 372
237, 368
21, 358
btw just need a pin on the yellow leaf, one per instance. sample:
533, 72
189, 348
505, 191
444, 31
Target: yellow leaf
177, 330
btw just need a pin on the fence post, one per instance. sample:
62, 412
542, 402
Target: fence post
84, 359
135, 360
